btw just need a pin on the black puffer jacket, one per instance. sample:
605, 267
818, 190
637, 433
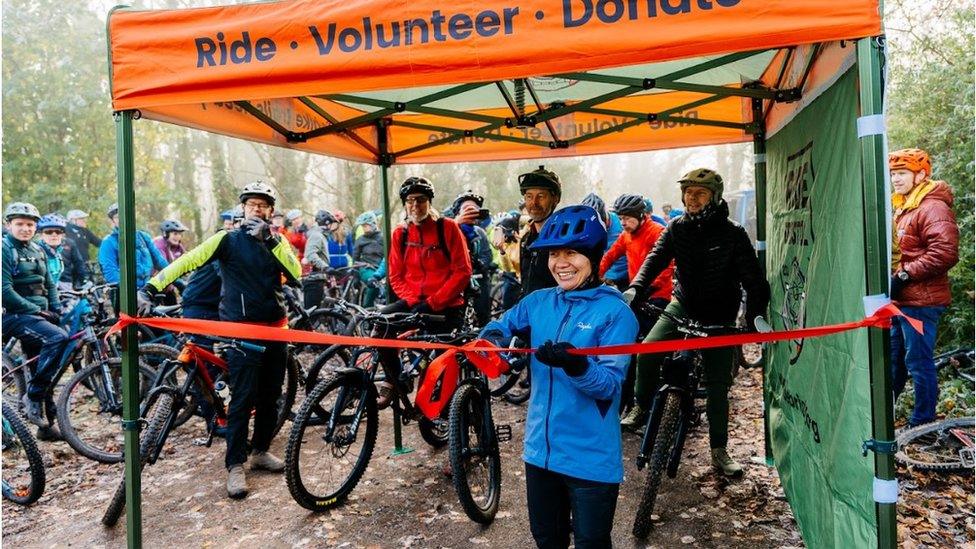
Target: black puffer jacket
534, 264
714, 261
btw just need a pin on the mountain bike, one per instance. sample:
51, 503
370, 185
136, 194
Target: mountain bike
205, 375
945, 446
335, 429
672, 415
23, 465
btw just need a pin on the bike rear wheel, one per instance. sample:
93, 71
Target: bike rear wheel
157, 416
90, 409
474, 454
660, 454
23, 465
936, 446
331, 441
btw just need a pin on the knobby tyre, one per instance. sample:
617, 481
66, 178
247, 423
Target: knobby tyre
474, 454
14, 383
520, 391
156, 419
663, 444
933, 447
23, 465
322, 467
435, 432
90, 409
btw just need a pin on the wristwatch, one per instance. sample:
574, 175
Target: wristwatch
902, 275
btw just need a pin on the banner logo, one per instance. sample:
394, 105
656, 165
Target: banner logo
798, 239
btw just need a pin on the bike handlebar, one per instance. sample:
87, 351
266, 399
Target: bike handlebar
692, 327
238, 343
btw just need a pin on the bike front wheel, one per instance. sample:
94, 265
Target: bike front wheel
474, 454
23, 465
660, 454
939, 446
331, 441
90, 409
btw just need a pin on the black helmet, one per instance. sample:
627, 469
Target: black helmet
414, 185
704, 177
464, 197
595, 202
324, 217
540, 178
631, 205
171, 226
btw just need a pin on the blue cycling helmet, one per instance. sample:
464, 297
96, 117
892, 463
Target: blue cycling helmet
648, 205
52, 221
576, 227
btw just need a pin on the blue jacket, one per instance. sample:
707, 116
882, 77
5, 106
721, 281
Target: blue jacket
572, 426
618, 269
148, 258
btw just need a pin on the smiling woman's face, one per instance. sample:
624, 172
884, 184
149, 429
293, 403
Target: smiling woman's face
569, 268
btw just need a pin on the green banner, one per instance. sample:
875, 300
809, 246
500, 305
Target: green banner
819, 389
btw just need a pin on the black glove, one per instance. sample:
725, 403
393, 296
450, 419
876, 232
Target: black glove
258, 228
556, 356
144, 300
897, 285
422, 308
50, 316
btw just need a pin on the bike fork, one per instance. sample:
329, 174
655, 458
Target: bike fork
684, 423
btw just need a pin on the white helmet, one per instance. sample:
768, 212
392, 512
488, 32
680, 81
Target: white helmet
261, 189
22, 209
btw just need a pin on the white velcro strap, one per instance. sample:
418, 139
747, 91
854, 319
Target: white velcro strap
870, 125
885, 491
759, 158
874, 302
760, 245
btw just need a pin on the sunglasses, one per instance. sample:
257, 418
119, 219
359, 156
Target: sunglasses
52, 231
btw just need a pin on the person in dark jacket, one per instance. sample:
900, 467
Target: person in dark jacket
369, 249
467, 211
541, 191
926, 246
31, 311
714, 261
78, 233
253, 260
573, 456
65, 264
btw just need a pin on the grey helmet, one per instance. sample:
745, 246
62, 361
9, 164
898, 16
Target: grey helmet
171, 226
22, 209
293, 215
631, 205
259, 189
76, 214
113, 210
324, 218
594, 201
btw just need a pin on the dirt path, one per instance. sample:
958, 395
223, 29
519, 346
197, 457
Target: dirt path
402, 501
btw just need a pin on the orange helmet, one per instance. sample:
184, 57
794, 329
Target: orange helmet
914, 160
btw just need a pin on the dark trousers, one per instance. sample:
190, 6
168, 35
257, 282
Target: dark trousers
511, 290
912, 355
255, 383
560, 504
48, 341
390, 358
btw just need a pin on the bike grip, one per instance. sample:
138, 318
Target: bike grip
251, 346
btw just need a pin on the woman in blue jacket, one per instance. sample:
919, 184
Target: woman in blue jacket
573, 458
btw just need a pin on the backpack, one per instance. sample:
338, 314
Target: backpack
442, 241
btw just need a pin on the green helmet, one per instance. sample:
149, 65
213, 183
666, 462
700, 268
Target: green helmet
703, 177
21, 209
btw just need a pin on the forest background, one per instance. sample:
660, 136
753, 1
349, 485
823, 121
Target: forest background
59, 138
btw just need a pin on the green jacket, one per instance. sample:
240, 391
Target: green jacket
27, 284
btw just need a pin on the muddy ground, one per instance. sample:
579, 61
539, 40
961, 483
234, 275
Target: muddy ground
402, 501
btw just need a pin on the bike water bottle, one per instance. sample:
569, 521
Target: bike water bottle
223, 391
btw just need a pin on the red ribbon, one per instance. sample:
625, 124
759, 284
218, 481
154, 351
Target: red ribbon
238, 330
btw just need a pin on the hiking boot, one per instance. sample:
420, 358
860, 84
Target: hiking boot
266, 462
34, 411
236, 482
725, 464
635, 419
49, 434
385, 395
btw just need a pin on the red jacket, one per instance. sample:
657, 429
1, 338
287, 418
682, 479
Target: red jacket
637, 245
928, 238
423, 272
297, 241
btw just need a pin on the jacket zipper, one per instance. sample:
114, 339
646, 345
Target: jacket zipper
559, 332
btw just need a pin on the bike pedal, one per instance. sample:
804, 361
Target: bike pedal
503, 433
967, 457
